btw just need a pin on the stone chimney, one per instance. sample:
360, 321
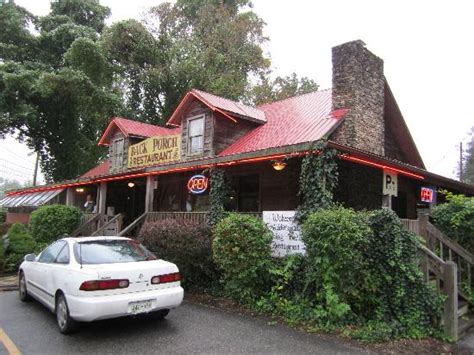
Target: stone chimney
358, 85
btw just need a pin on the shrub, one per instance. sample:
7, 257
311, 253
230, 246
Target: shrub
401, 297
3, 215
335, 243
456, 219
2, 255
188, 245
20, 243
241, 249
48, 223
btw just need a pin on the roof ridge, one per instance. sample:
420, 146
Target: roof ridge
293, 97
225, 98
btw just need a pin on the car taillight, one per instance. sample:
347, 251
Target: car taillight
161, 279
97, 285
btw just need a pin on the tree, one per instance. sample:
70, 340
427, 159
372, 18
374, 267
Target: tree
281, 88
56, 86
211, 45
468, 163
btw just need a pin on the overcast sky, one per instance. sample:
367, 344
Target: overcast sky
427, 47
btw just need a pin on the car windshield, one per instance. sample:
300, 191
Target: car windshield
111, 251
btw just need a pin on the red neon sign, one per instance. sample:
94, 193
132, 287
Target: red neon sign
427, 194
197, 184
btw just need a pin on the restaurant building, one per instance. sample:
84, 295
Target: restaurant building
163, 171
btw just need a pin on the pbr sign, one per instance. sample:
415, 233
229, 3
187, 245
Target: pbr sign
197, 184
390, 183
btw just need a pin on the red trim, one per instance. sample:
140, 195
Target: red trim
230, 163
109, 127
381, 166
200, 98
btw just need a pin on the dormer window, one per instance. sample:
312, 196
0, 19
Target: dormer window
196, 135
117, 153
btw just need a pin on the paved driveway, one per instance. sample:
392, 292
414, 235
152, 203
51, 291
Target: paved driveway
189, 329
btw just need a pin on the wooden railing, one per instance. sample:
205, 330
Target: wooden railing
89, 224
110, 227
449, 265
133, 228
198, 217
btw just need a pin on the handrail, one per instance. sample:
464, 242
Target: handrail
458, 249
133, 224
83, 226
113, 220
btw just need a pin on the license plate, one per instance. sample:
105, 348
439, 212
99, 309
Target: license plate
140, 307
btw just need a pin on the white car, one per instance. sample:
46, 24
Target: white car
91, 278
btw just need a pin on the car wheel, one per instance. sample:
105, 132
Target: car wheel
66, 324
159, 315
23, 292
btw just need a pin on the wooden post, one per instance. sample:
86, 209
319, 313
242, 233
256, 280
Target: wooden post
423, 217
150, 188
450, 289
69, 196
102, 198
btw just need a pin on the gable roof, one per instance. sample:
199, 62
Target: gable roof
299, 119
395, 122
219, 104
135, 129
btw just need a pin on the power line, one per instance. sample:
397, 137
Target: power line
16, 165
15, 154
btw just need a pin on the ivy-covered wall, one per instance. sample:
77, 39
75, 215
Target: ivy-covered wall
359, 187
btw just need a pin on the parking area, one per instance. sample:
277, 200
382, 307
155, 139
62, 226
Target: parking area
191, 328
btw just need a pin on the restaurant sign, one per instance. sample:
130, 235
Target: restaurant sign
286, 233
154, 151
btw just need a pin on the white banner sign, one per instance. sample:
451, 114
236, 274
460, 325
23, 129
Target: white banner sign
286, 233
390, 183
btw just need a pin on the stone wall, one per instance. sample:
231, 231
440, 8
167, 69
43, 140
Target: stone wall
358, 85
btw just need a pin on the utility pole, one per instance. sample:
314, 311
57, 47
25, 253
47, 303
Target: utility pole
35, 174
460, 162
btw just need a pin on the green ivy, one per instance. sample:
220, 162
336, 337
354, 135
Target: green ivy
456, 218
318, 179
218, 195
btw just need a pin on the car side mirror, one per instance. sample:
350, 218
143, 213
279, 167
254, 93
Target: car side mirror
30, 257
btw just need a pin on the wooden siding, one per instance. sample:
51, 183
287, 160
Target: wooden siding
227, 132
112, 153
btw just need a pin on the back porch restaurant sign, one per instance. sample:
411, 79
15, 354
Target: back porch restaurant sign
286, 233
154, 151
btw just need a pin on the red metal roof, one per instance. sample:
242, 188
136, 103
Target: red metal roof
299, 119
219, 104
99, 170
134, 128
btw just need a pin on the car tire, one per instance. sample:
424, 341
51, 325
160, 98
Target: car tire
22, 290
66, 324
159, 315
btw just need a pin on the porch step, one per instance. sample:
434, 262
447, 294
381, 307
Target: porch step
464, 325
463, 309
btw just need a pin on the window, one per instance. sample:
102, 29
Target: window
117, 153
63, 256
111, 251
196, 135
49, 254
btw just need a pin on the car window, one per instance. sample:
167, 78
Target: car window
49, 254
111, 251
63, 256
